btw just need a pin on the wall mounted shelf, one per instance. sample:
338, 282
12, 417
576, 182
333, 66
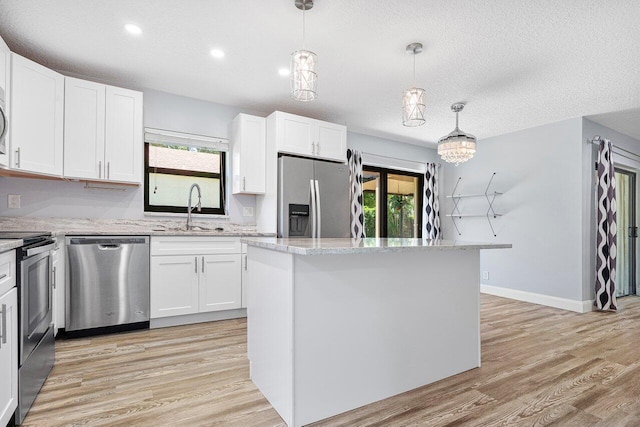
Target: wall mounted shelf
489, 195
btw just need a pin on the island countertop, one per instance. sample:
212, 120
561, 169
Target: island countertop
324, 246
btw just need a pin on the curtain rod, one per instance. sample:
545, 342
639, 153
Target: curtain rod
596, 140
393, 158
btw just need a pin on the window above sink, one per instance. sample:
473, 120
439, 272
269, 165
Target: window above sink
173, 162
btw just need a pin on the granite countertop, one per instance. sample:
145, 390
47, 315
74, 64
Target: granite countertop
358, 246
153, 227
6, 245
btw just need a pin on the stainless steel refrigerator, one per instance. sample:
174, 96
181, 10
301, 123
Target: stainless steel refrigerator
313, 198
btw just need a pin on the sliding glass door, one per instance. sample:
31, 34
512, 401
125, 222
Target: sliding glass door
392, 203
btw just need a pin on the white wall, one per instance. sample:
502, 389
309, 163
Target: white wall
540, 171
70, 199
54, 198
391, 149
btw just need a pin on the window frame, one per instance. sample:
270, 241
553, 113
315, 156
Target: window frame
384, 175
179, 209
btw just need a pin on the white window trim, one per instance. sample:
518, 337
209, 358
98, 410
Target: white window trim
161, 136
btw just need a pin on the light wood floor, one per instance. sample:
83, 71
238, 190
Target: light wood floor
540, 366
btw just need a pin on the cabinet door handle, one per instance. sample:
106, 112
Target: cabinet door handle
4, 323
203, 264
53, 279
100, 169
317, 148
244, 183
108, 170
196, 258
245, 263
18, 157
3, 276
313, 147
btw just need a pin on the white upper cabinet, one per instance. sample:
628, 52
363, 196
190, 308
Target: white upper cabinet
124, 134
310, 137
36, 120
248, 154
5, 81
84, 124
103, 132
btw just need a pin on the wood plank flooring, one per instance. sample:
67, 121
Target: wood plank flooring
540, 366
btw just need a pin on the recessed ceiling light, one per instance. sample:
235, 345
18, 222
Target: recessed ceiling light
284, 72
217, 53
133, 29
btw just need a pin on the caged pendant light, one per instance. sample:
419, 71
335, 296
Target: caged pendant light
413, 102
457, 147
304, 77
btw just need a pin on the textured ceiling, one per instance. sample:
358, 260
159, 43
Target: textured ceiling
516, 63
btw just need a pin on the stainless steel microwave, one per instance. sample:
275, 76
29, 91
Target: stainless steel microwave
4, 123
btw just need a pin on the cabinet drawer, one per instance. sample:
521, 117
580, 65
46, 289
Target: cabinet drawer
7, 271
194, 245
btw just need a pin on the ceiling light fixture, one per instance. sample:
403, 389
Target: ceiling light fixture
304, 77
413, 103
284, 72
457, 147
133, 29
217, 53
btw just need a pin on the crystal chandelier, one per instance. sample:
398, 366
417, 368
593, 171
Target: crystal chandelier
304, 77
413, 103
457, 147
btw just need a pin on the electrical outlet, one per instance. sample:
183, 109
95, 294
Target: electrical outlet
247, 211
13, 201
485, 275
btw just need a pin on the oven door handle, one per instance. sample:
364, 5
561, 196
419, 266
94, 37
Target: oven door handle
40, 249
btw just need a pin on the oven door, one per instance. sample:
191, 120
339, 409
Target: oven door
35, 301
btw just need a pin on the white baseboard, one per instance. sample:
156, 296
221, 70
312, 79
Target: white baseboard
548, 300
187, 319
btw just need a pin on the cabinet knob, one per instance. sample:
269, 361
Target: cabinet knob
18, 157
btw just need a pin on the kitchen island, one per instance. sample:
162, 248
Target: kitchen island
334, 324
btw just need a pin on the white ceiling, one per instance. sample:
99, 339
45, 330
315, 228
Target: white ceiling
627, 122
517, 63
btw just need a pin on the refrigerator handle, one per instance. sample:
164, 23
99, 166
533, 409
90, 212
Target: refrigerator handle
313, 207
318, 212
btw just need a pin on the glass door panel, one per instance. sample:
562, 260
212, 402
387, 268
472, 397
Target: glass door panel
626, 230
371, 194
401, 206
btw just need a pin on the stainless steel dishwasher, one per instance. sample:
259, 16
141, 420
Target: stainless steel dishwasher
108, 286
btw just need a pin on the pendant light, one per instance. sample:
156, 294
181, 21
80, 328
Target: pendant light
457, 147
304, 77
413, 103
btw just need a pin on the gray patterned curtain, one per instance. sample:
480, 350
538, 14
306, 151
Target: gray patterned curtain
354, 158
606, 232
431, 216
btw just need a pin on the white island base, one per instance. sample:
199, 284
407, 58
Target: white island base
332, 330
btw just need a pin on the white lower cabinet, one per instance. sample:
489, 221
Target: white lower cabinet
174, 285
8, 350
58, 280
207, 279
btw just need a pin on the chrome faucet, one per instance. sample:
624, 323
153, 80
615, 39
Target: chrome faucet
189, 208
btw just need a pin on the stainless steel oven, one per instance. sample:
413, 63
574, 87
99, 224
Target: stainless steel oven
35, 296
35, 329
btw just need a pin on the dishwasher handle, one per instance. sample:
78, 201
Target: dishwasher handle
109, 247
